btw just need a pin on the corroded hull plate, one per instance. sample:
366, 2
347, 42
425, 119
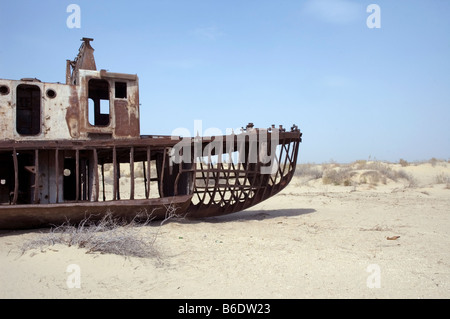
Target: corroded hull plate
45, 215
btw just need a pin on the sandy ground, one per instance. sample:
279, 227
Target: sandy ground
313, 240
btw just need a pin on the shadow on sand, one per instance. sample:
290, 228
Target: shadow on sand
249, 215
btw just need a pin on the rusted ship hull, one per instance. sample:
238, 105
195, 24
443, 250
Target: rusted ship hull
48, 215
225, 187
74, 150
210, 177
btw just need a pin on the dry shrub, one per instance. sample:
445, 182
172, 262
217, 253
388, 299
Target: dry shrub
438, 162
384, 172
442, 178
372, 177
308, 170
403, 162
360, 164
341, 175
109, 235
376, 172
433, 161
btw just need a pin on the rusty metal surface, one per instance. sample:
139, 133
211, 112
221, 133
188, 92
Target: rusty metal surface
225, 187
127, 120
84, 60
46, 215
71, 158
212, 188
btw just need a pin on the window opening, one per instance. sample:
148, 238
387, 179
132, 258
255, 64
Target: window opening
28, 109
51, 93
121, 90
4, 90
98, 102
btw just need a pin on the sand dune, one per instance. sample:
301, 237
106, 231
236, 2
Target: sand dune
361, 230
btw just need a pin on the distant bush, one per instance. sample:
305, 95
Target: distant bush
376, 172
358, 172
372, 177
433, 161
442, 178
339, 176
403, 162
308, 170
360, 164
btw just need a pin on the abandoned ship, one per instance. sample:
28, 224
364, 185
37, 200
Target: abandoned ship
71, 150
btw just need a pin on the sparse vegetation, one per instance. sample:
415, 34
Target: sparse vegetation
372, 177
360, 164
338, 176
442, 178
376, 228
109, 235
356, 173
308, 170
403, 162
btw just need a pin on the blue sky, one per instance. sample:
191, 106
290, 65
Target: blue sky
355, 92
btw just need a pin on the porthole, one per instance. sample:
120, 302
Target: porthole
4, 90
51, 94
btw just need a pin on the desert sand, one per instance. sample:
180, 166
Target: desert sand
368, 235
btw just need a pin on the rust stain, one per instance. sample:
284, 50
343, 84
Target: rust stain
127, 124
73, 113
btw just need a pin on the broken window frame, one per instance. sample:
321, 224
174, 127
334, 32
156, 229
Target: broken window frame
98, 91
